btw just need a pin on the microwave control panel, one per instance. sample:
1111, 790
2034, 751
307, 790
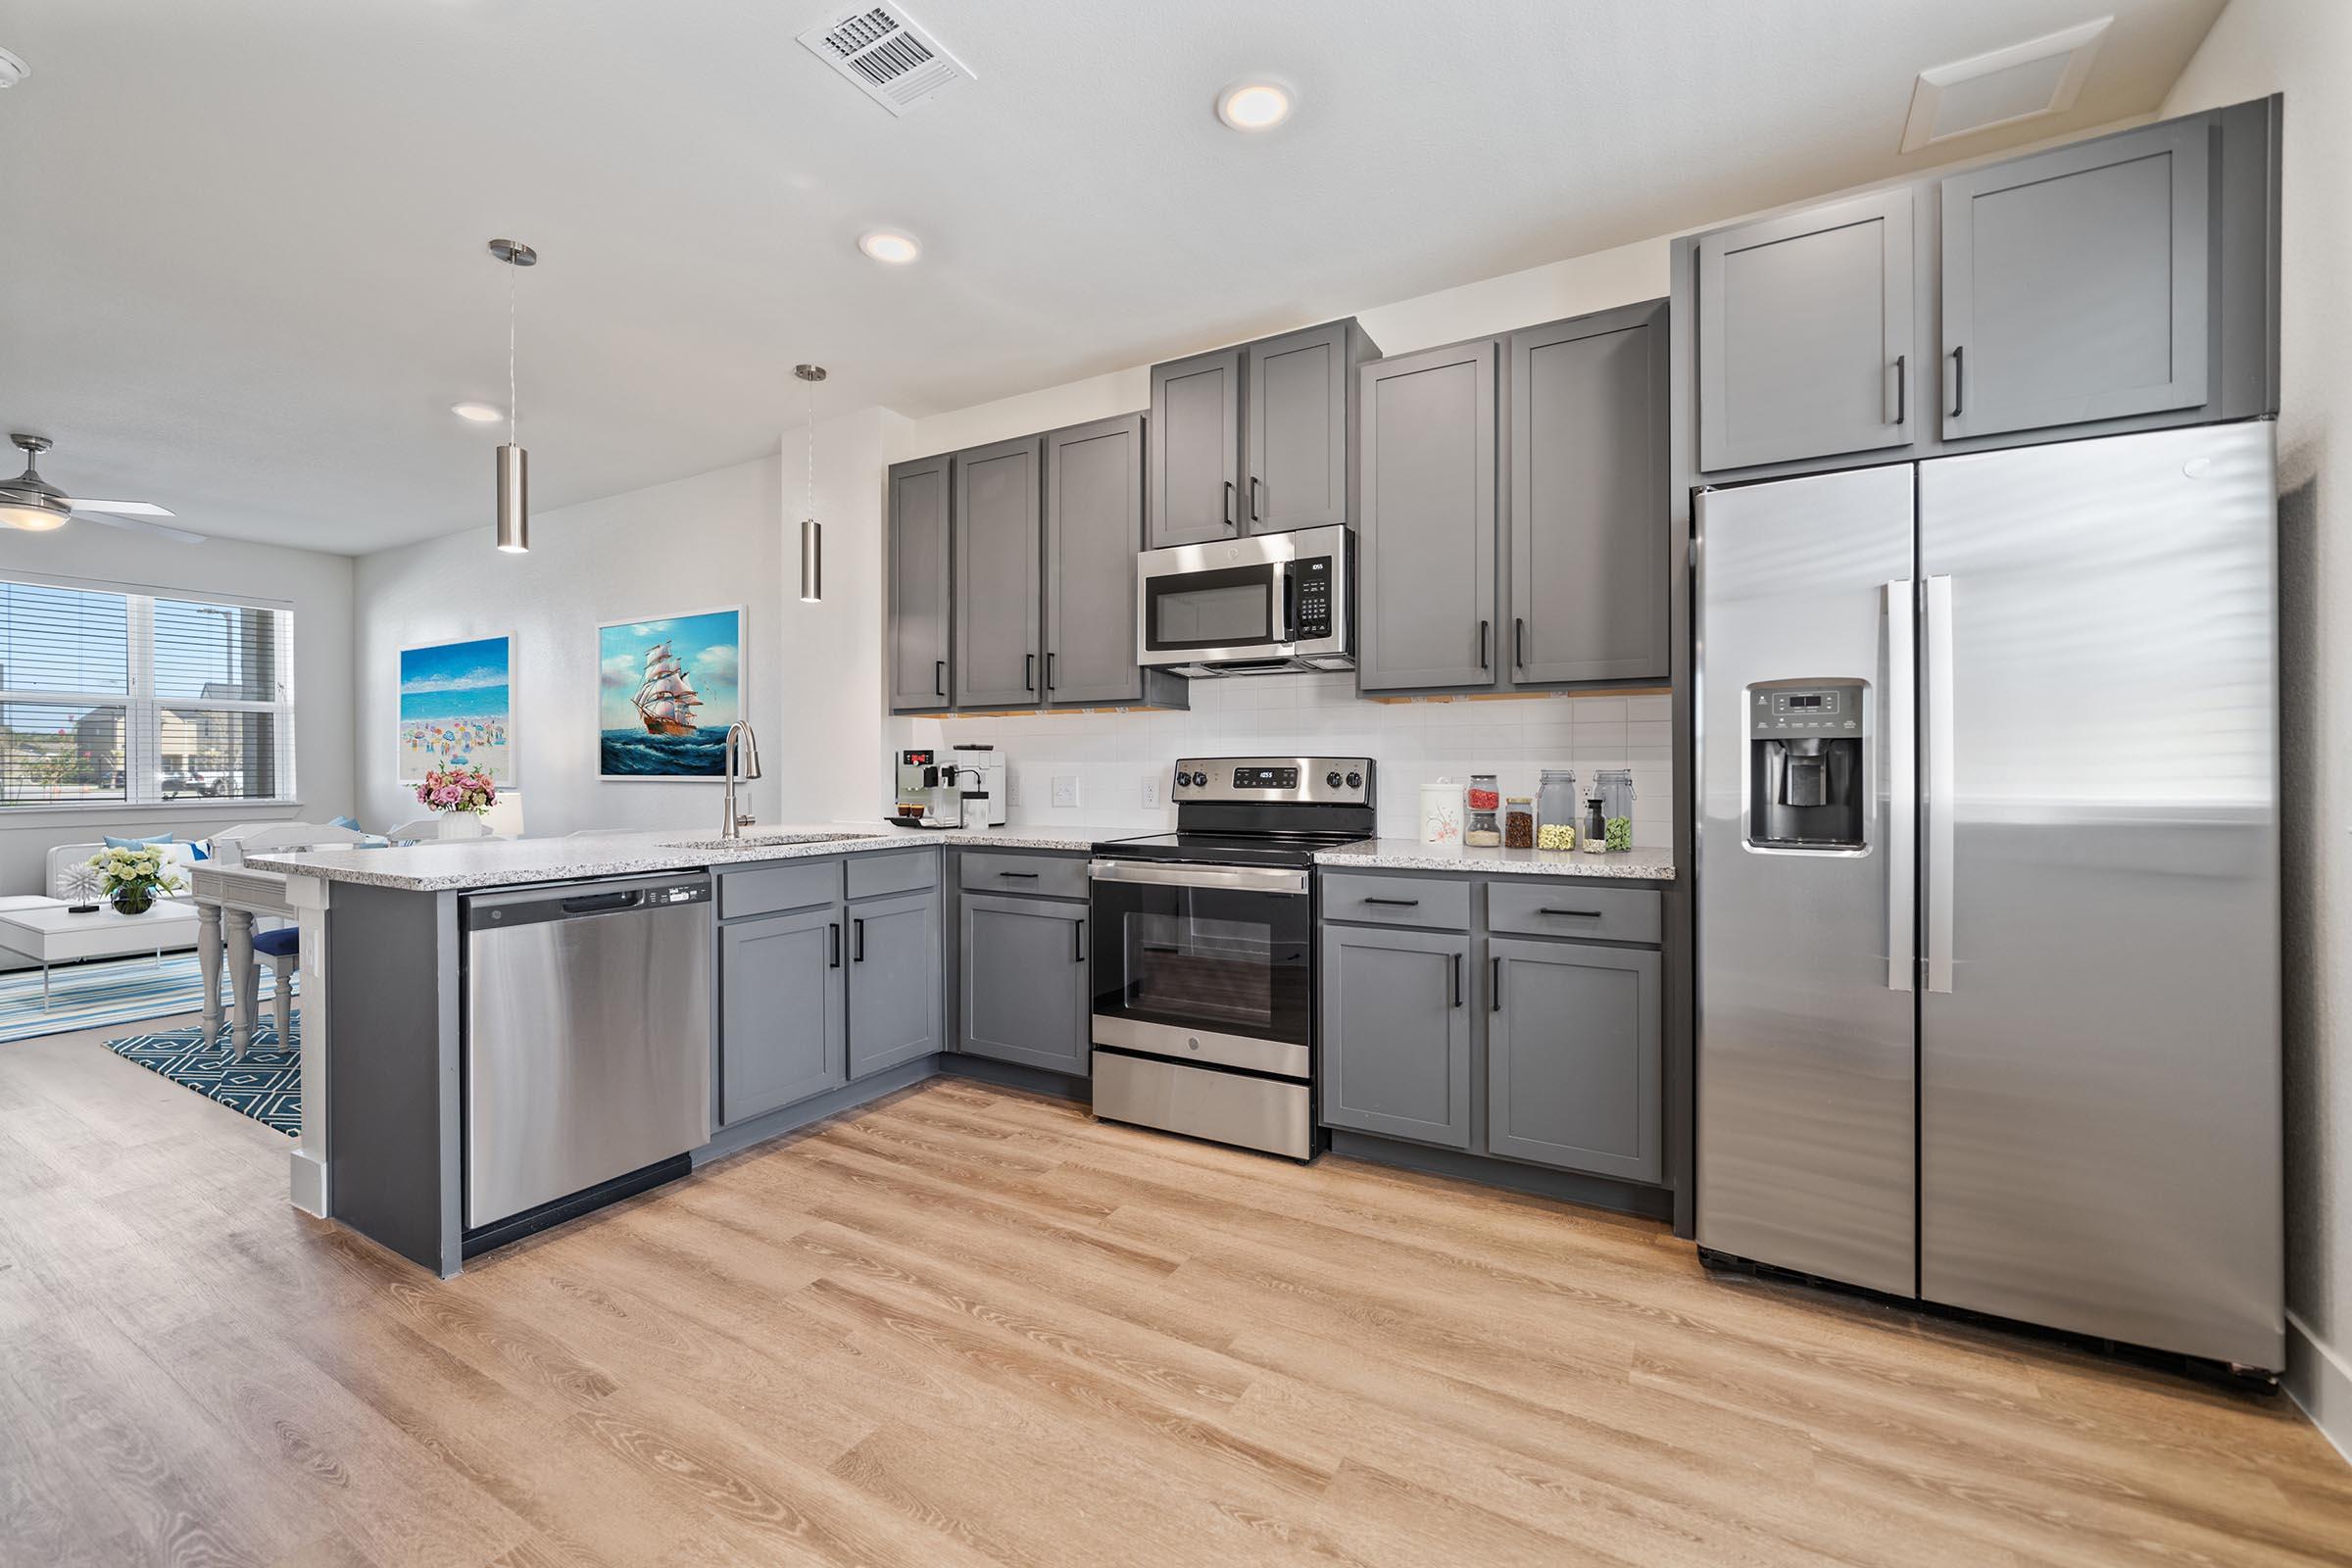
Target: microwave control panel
1312, 576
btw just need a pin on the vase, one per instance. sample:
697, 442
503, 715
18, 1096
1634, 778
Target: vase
463, 825
132, 900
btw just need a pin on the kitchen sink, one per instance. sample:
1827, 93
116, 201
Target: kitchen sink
754, 841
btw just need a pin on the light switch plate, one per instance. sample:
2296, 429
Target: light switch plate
1012, 788
1065, 789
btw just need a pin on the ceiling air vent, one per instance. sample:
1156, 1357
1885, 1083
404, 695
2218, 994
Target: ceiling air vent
880, 48
2023, 81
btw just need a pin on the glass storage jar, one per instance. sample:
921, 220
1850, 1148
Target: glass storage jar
1616, 788
1555, 809
1519, 822
1484, 795
1594, 833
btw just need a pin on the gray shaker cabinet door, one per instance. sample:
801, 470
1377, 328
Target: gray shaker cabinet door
1094, 528
1804, 335
922, 571
1588, 509
1196, 456
996, 576
1297, 448
1026, 997
780, 1009
1397, 1033
1575, 1041
1426, 547
893, 966
2074, 283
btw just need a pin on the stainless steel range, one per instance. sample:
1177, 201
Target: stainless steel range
1204, 953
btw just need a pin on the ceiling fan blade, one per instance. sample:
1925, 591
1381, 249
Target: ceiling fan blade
124, 509
135, 526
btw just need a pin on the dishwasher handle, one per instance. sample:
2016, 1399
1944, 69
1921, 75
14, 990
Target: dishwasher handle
507, 908
601, 902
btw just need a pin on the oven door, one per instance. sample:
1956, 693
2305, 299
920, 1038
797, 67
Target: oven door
1204, 964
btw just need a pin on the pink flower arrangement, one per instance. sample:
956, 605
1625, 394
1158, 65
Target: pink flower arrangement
457, 789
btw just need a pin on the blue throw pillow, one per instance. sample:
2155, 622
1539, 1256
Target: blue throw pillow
114, 843
345, 822
198, 852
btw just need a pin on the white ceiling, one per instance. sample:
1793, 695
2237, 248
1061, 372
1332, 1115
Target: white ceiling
241, 270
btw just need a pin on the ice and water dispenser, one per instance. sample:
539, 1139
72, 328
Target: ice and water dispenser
1804, 765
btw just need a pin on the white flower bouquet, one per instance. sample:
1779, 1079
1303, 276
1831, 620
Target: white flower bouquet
133, 879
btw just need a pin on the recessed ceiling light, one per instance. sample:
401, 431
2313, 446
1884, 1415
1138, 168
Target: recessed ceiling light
11, 70
479, 413
1254, 105
890, 246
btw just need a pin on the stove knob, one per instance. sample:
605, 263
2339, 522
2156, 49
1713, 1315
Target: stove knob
1331, 780
1356, 781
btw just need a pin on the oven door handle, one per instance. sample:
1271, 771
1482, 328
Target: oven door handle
1243, 878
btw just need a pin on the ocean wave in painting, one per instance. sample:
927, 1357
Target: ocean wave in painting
634, 753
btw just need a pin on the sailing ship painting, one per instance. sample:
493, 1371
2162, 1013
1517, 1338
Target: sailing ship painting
668, 687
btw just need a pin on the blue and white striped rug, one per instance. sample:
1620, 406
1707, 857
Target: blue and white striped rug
264, 1083
89, 995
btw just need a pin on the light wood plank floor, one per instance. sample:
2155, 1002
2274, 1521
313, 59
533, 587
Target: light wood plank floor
969, 1326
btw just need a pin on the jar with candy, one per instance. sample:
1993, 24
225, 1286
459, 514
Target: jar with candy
1555, 809
1483, 796
1616, 787
1519, 822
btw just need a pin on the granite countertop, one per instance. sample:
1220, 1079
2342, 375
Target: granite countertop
1642, 862
508, 862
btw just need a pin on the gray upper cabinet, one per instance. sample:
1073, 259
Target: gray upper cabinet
1588, 583
1805, 344
1094, 528
1426, 542
781, 1036
1026, 995
997, 563
1296, 455
2075, 282
921, 573
1575, 1047
1195, 457
893, 968
1397, 1033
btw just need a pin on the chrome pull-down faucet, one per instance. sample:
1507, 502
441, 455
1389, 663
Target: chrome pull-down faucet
746, 754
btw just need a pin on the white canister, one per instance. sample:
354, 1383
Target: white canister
1441, 813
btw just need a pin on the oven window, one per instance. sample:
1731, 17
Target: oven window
1229, 608
1217, 971
1219, 961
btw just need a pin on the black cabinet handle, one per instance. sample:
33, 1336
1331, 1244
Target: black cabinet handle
1026, 876
1401, 903
1229, 502
1518, 642
1483, 627
858, 941
1077, 941
939, 677
1254, 498
1959, 377
1028, 672
1580, 915
834, 928
1903, 390
1458, 979
1495, 986
1048, 669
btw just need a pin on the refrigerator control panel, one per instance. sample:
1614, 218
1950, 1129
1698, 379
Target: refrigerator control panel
1823, 709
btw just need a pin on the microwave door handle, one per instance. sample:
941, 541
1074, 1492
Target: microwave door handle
1286, 593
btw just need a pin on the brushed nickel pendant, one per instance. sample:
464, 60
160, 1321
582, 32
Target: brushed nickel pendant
813, 532
513, 462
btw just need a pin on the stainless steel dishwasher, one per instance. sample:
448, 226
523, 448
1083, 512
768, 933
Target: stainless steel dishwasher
587, 1046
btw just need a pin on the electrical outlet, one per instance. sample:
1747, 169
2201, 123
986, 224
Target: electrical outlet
1152, 794
1012, 788
1065, 790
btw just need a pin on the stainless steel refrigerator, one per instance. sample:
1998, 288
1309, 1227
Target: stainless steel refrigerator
1987, 884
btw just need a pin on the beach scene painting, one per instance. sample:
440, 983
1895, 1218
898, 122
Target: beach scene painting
457, 708
667, 688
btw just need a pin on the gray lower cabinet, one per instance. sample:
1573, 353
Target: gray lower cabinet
1426, 538
2075, 282
997, 567
1094, 528
921, 577
1196, 456
781, 1011
1587, 557
1026, 997
893, 990
1575, 1057
1805, 340
1396, 1009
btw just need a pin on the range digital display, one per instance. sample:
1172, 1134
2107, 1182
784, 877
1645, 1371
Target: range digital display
1265, 778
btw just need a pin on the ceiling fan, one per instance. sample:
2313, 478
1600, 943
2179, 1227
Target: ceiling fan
31, 503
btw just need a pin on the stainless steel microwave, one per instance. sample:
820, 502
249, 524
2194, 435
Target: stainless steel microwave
1263, 605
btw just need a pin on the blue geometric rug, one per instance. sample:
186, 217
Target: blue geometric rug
86, 996
265, 1083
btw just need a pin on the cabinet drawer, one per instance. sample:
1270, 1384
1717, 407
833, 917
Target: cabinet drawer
870, 876
1051, 876
1396, 901
1557, 909
767, 888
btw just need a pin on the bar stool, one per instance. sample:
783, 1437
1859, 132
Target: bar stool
284, 948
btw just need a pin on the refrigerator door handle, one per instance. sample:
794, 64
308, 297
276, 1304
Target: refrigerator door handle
1940, 806
1899, 703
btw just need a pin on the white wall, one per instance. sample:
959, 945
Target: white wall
2304, 49
318, 587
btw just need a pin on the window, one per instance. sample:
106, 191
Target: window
137, 699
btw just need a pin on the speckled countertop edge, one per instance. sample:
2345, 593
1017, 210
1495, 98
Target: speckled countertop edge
1640, 863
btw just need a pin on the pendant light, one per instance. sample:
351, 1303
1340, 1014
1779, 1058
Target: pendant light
514, 463
813, 532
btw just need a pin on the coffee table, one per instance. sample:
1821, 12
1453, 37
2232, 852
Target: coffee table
48, 933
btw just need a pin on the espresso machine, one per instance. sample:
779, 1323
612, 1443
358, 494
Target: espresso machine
979, 771
967, 790
1805, 772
